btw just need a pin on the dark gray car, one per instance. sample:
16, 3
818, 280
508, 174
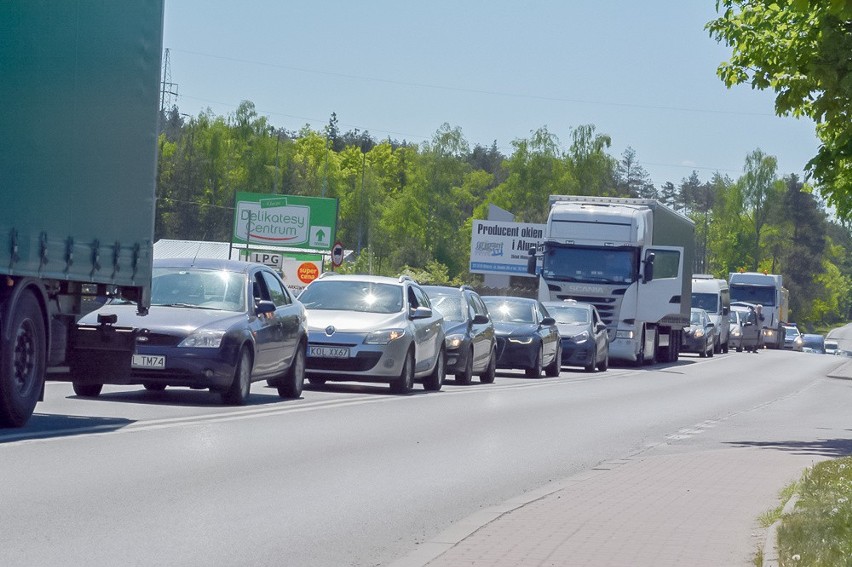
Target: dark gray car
469, 332
585, 341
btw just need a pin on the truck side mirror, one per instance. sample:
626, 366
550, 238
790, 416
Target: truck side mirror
648, 267
531, 261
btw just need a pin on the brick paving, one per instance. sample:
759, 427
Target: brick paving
687, 509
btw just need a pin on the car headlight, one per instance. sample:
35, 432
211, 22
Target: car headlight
798, 340
203, 339
521, 340
454, 341
624, 334
736, 333
384, 337
581, 337
769, 332
698, 333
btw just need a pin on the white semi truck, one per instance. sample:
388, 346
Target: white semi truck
755, 288
630, 258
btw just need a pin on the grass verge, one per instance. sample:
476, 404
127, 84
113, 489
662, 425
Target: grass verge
818, 533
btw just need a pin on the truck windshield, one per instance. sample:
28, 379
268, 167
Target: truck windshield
764, 295
591, 265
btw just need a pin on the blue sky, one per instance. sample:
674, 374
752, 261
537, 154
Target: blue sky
643, 73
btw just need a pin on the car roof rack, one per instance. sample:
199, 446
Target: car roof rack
466, 287
406, 277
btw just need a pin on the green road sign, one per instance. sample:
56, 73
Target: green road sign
287, 221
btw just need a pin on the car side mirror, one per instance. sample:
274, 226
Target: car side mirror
711, 324
264, 306
547, 321
421, 313
480, 319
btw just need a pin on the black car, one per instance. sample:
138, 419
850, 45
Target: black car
527, 336
585, 341
468, 330
217, 324
700, 335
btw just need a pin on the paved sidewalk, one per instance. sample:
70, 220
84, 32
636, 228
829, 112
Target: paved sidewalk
657, 509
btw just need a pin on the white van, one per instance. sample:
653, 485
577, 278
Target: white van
712, 295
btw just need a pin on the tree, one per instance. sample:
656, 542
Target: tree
800, 50
759, 192
632, 179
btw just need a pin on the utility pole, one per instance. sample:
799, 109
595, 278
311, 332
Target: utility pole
168, 89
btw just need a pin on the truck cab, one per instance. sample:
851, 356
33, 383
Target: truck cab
611, 253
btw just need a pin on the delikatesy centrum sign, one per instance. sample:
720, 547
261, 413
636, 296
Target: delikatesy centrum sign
290, 221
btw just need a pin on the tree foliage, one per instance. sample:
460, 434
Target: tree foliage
800, 49
409, 207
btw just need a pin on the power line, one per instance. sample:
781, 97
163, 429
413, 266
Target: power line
476, 91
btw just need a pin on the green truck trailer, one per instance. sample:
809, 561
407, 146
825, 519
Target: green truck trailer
80, 86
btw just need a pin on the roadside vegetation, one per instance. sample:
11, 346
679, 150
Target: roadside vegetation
818, 533
407, 206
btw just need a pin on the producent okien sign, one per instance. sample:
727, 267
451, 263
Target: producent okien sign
285, 220
498, 247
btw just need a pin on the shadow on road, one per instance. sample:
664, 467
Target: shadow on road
46, 426
820, 447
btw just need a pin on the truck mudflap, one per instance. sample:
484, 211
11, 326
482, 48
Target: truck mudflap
101, 354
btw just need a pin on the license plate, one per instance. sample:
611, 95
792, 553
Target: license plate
148, 361
328, 352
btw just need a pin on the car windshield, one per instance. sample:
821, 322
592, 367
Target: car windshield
791, 332
566, 314
511, 311
695, 318
448, 305
737, 318
193, 287
369, 297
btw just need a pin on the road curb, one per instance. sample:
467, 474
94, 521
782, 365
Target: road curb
843, 370
459, 531
770, 545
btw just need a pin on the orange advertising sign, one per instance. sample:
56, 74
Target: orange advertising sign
308, 272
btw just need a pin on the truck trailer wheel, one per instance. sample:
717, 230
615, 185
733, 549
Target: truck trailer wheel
22, 361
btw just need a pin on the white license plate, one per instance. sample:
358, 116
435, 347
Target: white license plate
328, 352
148, 361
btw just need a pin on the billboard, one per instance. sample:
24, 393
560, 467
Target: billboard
498, 247
290, 221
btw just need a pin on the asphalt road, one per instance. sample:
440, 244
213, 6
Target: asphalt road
348, 475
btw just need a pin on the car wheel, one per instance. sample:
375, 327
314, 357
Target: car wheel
154, 387
290, 386
554, 368
405, 382
603, 365
491, 371
239, 390
464, 377
22, 361
87, 390
535, 370
316, 381
712, 350
435, 380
